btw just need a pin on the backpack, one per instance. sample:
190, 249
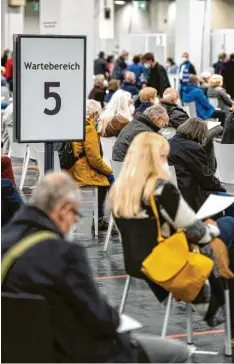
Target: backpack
66, 156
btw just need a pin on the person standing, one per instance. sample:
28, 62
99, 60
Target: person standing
158, 77
9, 72
185, 71
219, 64
120, 65
228, 76
100, 66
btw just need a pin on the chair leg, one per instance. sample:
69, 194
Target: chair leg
107, 240
25, 167
9, 152
228, 336
167, 315
189, 325
96, 211
125, 295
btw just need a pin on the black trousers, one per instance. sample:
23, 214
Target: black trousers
219, 114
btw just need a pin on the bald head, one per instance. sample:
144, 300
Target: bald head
171, 96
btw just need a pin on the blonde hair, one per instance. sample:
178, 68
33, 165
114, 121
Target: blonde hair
92, 107
170, 95
113, 85
216, 80
129, 77
147, 93
141, 169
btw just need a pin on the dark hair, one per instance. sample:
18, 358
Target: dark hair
148, 57
136, 59
109, 58
101, 54
171, 61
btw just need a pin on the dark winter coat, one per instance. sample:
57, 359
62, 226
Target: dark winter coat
176, 114
83, 324
129, 87
98, 94
158, 79
140, 124
228, 134
194, 177
143, 106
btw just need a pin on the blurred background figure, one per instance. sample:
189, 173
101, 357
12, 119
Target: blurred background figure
137, 68
4, 58
98, 91
9, 71
120, 65
219, 64
148, 97
100, 65
129, 83
116, 114
204, 80
185, 70
216, 90
113, 86
227, 72
158, 77
228, 133
171, 66
110, 64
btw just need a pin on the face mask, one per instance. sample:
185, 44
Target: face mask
147, 65
132, 108
166, 168
70, 236
105, 83
184, 59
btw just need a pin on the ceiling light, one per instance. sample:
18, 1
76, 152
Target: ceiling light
120, 2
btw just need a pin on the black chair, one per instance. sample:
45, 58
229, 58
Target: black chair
26, 331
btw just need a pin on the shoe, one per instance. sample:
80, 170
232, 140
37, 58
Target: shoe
102, 224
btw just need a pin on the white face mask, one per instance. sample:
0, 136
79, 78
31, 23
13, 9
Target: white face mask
184, 59
147, 65
70, 236
132, 108
105, 83
166, 168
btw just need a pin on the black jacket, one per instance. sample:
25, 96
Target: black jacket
98, 94
140, 124
84, 325
228, 134
176, 114
100, 67
195, 179
158, 79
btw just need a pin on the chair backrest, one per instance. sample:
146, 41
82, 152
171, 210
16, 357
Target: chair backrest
40, 157
116, 167
107, 146
26, 330
17, 149
192, 109
224, 157
168, 133
214, 101
173, 175
37, 146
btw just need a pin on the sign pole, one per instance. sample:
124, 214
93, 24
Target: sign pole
49, 157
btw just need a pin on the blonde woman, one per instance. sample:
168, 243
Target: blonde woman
215, 90
116, 114
148, 97
145, 172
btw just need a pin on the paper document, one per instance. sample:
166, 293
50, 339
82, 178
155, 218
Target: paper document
128, 323
213, 205
212, 124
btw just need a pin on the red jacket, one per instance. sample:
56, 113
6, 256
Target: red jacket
9, 69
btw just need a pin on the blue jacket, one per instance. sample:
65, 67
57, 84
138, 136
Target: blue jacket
137, 69
193, 93
130, 88
109, 96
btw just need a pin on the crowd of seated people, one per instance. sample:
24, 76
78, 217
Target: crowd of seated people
147, 97
215, 90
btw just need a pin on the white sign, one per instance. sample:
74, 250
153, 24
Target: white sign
51, 92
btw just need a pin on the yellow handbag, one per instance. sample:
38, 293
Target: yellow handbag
173, 267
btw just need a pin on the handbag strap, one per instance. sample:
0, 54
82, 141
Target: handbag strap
155, 211
20, 248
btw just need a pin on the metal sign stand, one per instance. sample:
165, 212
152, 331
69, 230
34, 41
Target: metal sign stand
49, 157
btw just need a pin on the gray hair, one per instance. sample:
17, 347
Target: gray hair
92, 107
155, 111
54, 188
194, 129
98, 79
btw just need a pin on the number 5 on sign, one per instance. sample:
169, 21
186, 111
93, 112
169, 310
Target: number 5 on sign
55, 95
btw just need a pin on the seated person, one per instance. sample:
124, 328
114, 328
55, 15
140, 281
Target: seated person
98, 91
228, 133
113, 86
204, 79
148, 97
153, 119
215, 90
177, 115
129, 200
196, 180
84, 325
116, 114
7, 120
194, 93
137, 68
11, 200
129, 83
90, 169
